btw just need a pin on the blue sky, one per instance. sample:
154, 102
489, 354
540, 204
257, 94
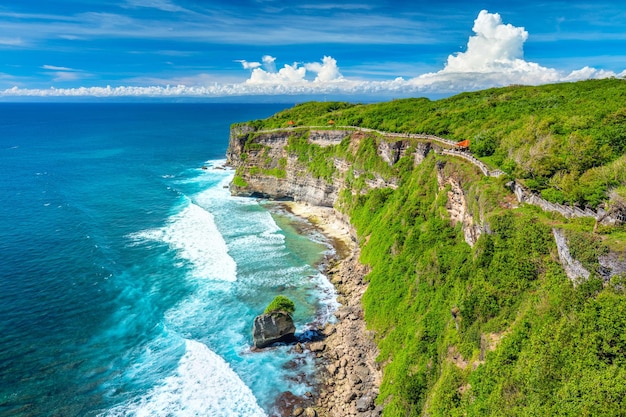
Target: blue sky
263, 47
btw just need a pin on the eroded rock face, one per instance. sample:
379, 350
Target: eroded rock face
458, 209
572, 267
269, 170
271, 328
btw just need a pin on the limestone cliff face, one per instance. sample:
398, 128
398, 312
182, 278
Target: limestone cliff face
266, 168
458, 208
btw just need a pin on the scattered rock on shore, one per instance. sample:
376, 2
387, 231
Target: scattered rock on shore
349, 368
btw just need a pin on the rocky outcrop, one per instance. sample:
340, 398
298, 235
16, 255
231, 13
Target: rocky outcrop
273, 327
612, 264
391, 152
421, 152
325, 138
458, 209
574, 270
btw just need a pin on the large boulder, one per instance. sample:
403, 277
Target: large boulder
273, 327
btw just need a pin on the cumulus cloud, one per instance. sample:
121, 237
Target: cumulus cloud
495, 46
326, 71
494, 56
294, 74
269, 62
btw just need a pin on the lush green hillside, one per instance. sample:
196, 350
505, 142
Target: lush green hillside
566, 140
496, 329
492, 330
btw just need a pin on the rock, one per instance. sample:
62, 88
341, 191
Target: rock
354, 379
362, 371
317, 346
332, 369
364, 403
299, 348
573, 268
310, 412
273, 327
350, 396
298, 411
328, 329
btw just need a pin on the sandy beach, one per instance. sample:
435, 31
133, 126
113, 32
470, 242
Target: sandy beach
325, 218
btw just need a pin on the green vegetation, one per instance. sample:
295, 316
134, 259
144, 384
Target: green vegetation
496, 329
281, 303
565, 140
556, 348
239, 182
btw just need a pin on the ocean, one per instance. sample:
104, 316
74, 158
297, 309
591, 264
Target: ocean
129, 277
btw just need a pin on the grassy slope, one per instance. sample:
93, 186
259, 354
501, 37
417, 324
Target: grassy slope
522, 340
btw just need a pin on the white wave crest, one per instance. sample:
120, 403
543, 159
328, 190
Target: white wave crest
193, 234
203, 385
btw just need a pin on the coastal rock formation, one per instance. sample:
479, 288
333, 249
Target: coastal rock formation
351, 376
267, 169
274, 327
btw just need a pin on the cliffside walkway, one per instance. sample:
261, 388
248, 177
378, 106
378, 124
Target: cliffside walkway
422, 136
522, 194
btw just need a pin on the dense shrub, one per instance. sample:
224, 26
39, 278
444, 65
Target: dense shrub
281, 303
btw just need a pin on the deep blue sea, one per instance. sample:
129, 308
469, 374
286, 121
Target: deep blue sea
129, 277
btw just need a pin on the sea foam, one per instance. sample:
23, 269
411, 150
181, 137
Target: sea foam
202, 385
192, 233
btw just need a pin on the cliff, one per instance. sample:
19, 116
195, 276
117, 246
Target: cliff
460, 272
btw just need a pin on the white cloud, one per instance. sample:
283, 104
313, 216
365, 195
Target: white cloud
62, 76
494, 57
269, 62
249, 65
495, 46
55, 68
294, 75
164, 5
288, 75
326, 71
11, 41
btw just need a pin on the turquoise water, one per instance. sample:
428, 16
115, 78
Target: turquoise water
130, 277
